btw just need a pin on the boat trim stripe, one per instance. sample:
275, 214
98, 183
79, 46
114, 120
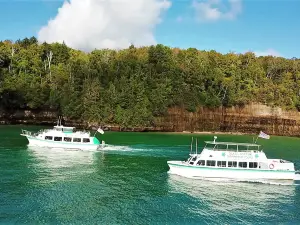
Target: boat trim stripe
222, 168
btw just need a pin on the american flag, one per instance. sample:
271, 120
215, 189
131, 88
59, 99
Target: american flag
263, 135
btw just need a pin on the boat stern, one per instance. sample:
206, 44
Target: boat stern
97, 142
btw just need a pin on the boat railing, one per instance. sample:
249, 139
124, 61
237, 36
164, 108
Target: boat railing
83, 132
40, 132
233, 150
284, 161
26, 132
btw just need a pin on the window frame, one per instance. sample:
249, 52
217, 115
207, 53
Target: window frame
67, 138
77, 141
54, 139
211, 164
89, 141
234, 164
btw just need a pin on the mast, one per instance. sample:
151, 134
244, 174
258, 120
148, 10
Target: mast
192, 146
196, 146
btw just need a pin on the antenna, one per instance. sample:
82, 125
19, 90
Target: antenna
196, 146
192, 146
59, 121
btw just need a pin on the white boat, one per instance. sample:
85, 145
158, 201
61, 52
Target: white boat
242, 161
64, 137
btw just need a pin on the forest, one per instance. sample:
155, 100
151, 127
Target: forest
130, 87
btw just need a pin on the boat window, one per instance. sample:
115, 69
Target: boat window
68, 130
201, 163
86, 140
67, 139
211, 163
253, 148
210, 146
221, 147
48, 138
193, 160
243, 164
232, 147
232, 164
57, 138
221, 163
76, 139
243, 147
252, 164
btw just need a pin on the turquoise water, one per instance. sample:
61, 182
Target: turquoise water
129, 184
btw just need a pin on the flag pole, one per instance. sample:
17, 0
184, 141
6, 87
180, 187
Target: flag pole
95, 133
256, 139
192, 146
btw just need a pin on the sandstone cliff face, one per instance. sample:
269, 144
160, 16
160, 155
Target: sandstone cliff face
249, 119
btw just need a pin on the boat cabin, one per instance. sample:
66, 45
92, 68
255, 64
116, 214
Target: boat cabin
233, 155
231, 146
58, 138
64, 129
61, 133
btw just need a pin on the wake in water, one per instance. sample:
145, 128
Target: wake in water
262, 181
116, 148
106, 148
143, 150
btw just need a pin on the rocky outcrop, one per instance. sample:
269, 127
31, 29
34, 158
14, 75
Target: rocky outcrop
249, 119
33, 117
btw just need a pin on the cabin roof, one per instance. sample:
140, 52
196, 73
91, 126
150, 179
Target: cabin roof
64, 127
232, 143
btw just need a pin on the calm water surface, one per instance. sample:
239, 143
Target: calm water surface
129, 184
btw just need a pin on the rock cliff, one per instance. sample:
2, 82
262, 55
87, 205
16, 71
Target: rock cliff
248, 119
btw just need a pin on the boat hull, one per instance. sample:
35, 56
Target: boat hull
198, 172
52, 144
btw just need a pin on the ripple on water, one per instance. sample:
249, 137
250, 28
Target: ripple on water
129, 184
236, 201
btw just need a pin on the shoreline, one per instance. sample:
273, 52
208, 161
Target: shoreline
247, 120
138, 130
81, 125
214, 132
